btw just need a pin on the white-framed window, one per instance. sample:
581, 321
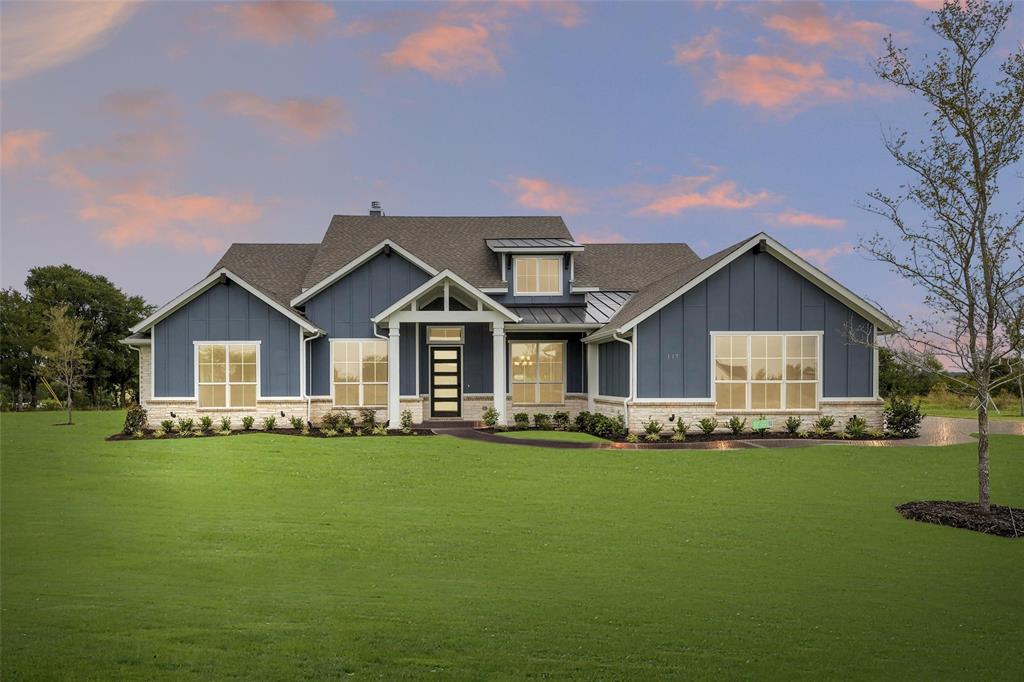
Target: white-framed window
763, 372
443, 335
538, 275
538, 372
227, 373
359, 372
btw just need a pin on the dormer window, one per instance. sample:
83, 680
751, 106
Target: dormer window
538, 275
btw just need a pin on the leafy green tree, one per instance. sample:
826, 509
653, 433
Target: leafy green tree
106, 312
63, 358
902, 374
20, 331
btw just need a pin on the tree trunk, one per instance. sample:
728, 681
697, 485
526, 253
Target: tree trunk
33, 388
69, 406
1020, 390
983, 489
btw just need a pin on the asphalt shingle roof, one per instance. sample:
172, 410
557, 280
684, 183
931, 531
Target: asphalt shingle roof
629, 267
275, 269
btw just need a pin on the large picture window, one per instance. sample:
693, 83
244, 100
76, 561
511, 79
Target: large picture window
538, 373
227, 374
360, 373
538, 275
766, 371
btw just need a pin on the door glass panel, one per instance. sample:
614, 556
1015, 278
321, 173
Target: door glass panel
446, 367
446, 354
446, 380
446, 393
446, 406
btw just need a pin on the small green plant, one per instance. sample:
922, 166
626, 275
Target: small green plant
269, 423
585, 421
542, 421
159, 432
185, 426
247, 422
225, 423
346, 420
167, 425
328, 432
632, 438
138, 434
856, 427
560, 420
708, 425
406, 421
903, 418
331, 420
679, 432
206, 423
823, 425
652, 430
380, 430
737, 425
367, 419
349, 430
135, 419
793, 425
522, 420
489, 417
298, 423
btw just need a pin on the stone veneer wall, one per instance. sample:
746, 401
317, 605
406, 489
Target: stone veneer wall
691, 412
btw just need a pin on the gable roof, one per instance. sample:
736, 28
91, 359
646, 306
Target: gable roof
458, 244
629, 267
654, 296
277, 270
433, 282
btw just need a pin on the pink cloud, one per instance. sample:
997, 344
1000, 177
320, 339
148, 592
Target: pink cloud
791, 218
822, 257
601, 236
21, 147
685, 193
565, 14
138, 104
279, 22
43, 35
807, 24
698, 49
543, 195
182, 221
446, 52
310, 119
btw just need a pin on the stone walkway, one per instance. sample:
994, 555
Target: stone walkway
934, 431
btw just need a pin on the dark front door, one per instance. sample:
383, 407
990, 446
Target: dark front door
445, 381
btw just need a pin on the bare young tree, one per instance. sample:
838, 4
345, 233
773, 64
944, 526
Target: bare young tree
959, 244
64, 359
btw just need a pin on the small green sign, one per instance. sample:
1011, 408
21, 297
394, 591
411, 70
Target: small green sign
759, 424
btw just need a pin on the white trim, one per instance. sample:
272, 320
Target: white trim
134, 342
447, 342
832, 287
515, 276
205, 284
331, 340
655, 401
504, 272
583, 290
874, 361
538, 382
819, 381
849, 401
355, 263
494, 290
535, 249
227, 374
572, 270
445, 276
538, 326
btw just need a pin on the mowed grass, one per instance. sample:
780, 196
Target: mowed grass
937, 409
276, 557
565, 436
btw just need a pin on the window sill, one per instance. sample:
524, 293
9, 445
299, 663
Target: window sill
815, 410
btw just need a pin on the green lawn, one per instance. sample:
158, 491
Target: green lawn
275, 557
944, 410
569, 436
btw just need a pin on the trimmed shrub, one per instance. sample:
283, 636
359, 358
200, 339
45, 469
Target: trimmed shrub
736, 425
632, 438
903, 418
367, 419
652, 430
185, 426
522, 420
225, 423
167, 425
856, 427
489, 417
269, 423
406, 421
793, 425
346, 420
206, 423
135, 419
679, 432
331, 420
380, 430
159, 432
708, 425
247, 422
298, 423
823, 425
561, 420
542, 421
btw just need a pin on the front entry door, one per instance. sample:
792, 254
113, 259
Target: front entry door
445, 381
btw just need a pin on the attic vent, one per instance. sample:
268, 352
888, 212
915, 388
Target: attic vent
375, 208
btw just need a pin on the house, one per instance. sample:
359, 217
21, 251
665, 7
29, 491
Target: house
429, 314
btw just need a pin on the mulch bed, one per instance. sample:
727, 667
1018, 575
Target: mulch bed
720, 436
1007, 522
314, 433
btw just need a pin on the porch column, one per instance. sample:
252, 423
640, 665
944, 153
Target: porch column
394, 375
593, 384
499, 388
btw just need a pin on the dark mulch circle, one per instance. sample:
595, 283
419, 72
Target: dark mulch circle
1007, 522
314, 433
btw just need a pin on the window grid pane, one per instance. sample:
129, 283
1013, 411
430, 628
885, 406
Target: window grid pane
227, 374
780, 371
537, 373
360, 373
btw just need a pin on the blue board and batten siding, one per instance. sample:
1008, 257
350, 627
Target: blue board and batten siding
344, 310
613, 369
225, 312
756, 292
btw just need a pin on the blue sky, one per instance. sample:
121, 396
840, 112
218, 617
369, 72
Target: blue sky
140, 140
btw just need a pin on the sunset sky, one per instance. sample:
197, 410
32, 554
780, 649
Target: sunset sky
140, 140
